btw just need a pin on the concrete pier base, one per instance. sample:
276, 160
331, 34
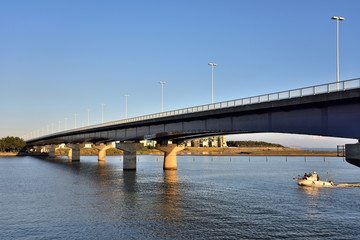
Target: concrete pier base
170, 150
102, 151
38, 149
52, 148
352, 152
129, 149
70, 154
74, 151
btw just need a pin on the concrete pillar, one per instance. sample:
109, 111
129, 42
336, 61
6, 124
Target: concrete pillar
352, 153
70, 154
129, 149
52, 148
170, 150
37, 149
102, 150
29, 149
74, 152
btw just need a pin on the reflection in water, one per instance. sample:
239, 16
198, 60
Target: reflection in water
121, 195
129, 189
311, 198
202, 200
171, 193
170, 210
312, 191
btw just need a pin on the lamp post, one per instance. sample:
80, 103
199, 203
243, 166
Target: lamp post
88, 110
65, 123
102, 113
337, 47
162, 96
212, 81
75, 115
126, 96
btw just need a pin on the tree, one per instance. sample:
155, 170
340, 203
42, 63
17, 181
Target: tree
252, 144
11, 144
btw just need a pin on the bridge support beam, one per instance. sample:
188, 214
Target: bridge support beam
102, 151
129, 149
52, 148
170, 150
352, 152
38, 149
74, 151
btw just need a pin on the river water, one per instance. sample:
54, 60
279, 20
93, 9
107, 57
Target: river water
206, 198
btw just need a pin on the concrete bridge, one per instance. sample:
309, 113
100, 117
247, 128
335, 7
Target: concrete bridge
325, 110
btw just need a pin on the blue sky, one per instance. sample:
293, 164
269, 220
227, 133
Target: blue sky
58, 58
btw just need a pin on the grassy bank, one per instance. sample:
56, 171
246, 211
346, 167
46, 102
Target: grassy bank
228, 151
6, 154
256, 151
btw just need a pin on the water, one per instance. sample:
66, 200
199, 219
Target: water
207, 198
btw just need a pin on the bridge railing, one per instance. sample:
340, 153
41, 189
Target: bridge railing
295, 93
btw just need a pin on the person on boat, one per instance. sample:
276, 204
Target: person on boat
315, 176
305, 176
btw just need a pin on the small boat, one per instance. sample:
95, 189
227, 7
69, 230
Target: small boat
313, 180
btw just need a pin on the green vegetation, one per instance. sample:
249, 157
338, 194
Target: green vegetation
252, 144
11, 144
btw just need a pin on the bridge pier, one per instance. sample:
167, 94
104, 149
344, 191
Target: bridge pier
129, 149
352, 152
170, 150
52, 148
74, 151
102, 151
38, 149
29, 149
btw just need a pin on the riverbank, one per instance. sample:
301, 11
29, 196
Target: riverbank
214, 151
14, 154
8, 154
227, 151
255, 151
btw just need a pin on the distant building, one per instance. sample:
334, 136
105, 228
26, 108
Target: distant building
217, 141
150, 143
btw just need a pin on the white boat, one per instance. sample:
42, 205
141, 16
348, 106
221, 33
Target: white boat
313, 181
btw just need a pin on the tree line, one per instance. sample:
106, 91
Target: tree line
252, 144
11, 144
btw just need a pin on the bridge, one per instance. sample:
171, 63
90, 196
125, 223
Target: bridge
326, 110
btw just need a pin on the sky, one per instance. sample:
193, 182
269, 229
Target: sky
59, 58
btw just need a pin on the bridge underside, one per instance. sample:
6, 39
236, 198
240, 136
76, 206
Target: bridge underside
334, 114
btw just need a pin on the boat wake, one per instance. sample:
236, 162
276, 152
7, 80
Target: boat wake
347, 185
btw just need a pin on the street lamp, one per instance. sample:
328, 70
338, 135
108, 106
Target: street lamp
212, 81
65, 123
337, 46
88, 116
162, 96
126, 96
102, 113
75, 115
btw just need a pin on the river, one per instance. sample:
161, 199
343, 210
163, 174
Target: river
218, 197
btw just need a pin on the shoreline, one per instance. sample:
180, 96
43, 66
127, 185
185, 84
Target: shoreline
192, 151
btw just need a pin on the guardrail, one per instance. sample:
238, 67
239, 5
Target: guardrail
300, 92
